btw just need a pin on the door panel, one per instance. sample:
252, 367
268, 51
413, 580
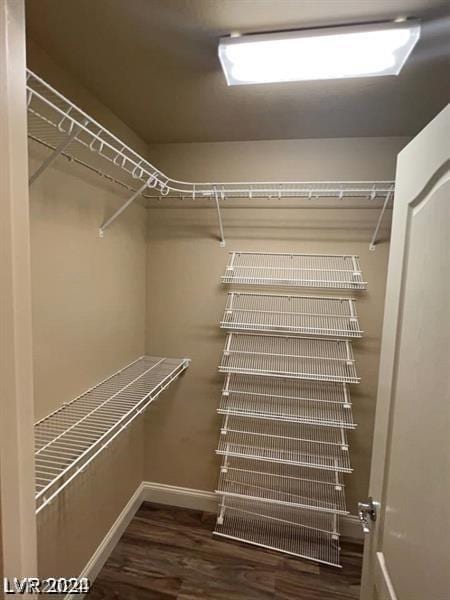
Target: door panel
418, 488
407, 554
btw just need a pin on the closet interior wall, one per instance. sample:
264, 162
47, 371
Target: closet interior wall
88, 301
151, 286
185, 300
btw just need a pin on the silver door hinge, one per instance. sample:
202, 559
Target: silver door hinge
367, 512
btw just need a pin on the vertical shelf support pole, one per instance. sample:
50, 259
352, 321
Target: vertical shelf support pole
219, 218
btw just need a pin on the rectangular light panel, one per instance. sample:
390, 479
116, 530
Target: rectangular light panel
325, 53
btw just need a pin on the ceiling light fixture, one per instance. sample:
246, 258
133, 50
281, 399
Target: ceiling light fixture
328, 53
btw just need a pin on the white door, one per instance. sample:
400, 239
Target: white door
407, 552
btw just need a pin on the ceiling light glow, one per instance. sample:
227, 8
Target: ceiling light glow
332, 53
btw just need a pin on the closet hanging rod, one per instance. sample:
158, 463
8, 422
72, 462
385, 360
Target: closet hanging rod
150, 196
53, 119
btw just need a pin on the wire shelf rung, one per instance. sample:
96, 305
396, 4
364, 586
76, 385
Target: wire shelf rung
290, 357
295, 270
305, 315
282, 484
303, 533
291, 400
289, 443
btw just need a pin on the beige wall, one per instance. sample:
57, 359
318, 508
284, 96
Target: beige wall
88, 293
43, 66
185, 299
71, 528
281, 160
88, 300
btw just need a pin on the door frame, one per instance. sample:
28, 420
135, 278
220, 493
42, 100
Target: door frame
18, 557
410, 186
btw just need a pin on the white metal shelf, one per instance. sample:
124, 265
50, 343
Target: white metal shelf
305, 315
295, 270
68, 439
290, 357
282, 484
66, 130
53, 118
293, 400
304, 533
289, 443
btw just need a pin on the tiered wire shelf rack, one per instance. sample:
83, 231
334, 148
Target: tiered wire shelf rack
71, 437
288, 362
289, 357
305, 315
67, 131
339, 272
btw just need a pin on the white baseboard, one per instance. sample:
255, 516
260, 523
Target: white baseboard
179, 496
351, 528
173, 495
201, 500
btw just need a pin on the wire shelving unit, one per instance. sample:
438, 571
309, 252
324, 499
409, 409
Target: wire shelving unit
288, 443
289, 356
292, 400
305, 315
288, 362
68, 439
295, 270
304, 533
66, 130
282, 484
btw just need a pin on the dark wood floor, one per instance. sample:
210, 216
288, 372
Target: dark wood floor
169, 553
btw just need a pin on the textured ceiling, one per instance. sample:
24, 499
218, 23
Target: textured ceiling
154, 64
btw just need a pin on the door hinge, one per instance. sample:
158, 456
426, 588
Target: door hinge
367, 512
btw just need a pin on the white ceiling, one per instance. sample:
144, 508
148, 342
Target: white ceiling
154, 64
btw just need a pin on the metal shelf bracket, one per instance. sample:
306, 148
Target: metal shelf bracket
75, 130
120, 210
219, 218
373, 241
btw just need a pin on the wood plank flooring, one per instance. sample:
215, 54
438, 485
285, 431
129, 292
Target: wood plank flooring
170, 553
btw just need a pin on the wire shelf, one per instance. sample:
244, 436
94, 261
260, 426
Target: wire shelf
282, 484
293, 400
68, 439
306, 315
290, 357
289, 443
304, 533
295, 270
54, 120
